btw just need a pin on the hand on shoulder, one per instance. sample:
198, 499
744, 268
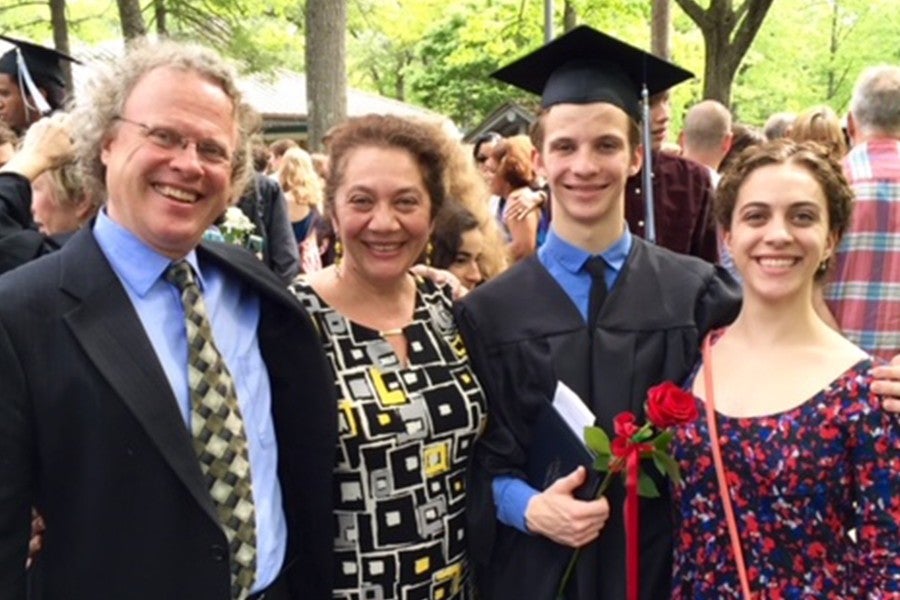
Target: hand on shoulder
441, 277
887, 384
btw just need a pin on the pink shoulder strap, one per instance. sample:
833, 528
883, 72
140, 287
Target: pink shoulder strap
720, 470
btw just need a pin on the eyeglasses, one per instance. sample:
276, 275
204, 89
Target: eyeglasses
209, 151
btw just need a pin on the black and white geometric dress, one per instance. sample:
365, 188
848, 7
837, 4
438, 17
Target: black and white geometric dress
405, 438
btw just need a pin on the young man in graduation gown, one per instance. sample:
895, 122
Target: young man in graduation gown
533, 327
31, 83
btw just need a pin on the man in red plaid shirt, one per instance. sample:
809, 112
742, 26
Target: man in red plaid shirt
863, 292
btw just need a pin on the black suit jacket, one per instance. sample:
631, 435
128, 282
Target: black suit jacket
90, 434
263, 202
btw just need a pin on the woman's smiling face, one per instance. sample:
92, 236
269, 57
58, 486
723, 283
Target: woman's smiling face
382, 213
779, 232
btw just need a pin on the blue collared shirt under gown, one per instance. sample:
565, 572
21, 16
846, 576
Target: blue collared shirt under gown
565, 262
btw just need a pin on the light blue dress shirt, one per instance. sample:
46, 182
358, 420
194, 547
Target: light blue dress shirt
565, 263
233, 311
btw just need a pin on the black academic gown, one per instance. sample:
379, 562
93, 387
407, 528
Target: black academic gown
20, 242
524, 335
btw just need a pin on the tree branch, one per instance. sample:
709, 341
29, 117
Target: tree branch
749, 26
741, 11
21, 4
695, 12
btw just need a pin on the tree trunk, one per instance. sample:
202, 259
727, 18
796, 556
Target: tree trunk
161, 12
570, 16
727, 35
131, 18
660, 28
61, 38
326, 68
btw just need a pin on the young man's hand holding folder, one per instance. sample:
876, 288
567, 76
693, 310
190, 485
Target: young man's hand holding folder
565, 511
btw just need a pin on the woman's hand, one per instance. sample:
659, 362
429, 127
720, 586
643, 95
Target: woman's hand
441, 277
522, 201
47, 145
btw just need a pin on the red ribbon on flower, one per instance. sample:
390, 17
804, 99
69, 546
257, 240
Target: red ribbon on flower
667, 406
629, 451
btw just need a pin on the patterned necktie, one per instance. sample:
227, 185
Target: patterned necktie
596, 267
218, 431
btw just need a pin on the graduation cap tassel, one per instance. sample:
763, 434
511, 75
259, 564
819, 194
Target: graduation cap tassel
40, 102
649, 213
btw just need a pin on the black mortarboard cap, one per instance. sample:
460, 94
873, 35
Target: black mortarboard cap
585, 66
44, 64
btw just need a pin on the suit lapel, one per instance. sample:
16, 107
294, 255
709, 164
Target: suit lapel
110, 333
248, 268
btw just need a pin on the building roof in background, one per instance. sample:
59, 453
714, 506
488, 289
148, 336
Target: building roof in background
508, 119
283, 93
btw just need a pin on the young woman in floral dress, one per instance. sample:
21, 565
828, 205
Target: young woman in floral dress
809, 455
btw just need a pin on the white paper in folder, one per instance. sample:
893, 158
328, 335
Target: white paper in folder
572, 409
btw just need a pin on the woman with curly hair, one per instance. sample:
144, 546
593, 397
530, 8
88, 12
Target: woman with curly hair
410, 406
805, 452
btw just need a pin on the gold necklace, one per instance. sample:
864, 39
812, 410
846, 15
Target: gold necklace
391, 332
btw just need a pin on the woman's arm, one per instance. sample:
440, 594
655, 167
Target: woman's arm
523, 233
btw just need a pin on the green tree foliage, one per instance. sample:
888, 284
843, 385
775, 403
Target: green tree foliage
440, 54
457, 56
792, 65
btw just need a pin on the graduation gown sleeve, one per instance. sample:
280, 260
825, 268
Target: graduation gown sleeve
524, 334
19, 242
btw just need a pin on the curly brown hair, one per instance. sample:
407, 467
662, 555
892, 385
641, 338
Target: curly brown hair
387, 131
813, 157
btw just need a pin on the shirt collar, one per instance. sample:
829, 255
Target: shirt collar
138, 265
572, 258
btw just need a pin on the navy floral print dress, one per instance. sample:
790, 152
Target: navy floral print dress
800, 482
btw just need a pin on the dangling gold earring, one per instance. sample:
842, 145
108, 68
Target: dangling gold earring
338, 255
429, 250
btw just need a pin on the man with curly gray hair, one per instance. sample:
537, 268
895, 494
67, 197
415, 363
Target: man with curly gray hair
166, 404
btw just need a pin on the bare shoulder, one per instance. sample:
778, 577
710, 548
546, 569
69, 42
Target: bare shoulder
841, 351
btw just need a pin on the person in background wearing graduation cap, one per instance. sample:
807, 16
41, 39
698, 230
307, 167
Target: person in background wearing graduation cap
682, 190
31, 83
608, 314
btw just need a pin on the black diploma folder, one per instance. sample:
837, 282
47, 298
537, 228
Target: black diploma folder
555, 452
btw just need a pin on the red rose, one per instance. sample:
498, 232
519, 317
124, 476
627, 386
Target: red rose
620, 447
668, 405
623, 425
